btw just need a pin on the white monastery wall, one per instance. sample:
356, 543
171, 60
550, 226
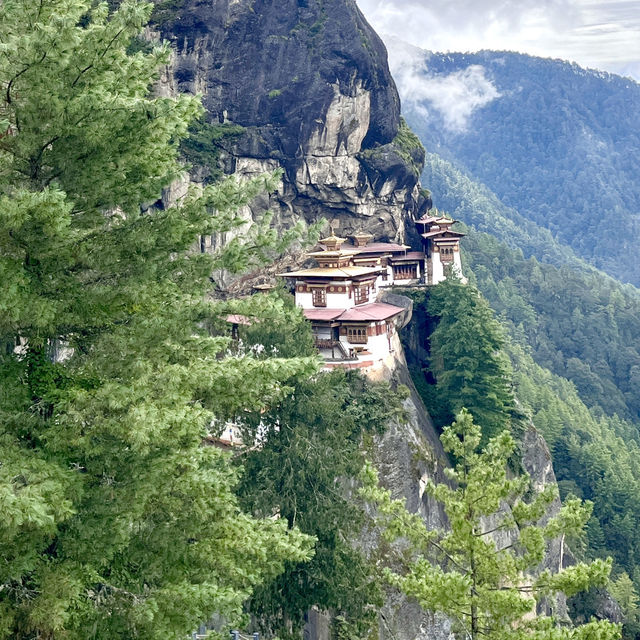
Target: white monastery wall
457, 266
438, 269
339, 301
378, 346
336, 300
401, 282
383, 368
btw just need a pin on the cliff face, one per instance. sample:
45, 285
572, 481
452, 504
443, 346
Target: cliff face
409, 455
307, 82
306, 87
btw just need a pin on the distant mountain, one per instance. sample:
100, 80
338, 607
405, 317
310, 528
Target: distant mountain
558, 143
475, 204
539, 159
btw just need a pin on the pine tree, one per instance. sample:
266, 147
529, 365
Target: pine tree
311, 452
117, 522
623, 590
489, 590
467, 360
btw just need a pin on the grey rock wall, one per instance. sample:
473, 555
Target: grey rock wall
410, 454
407, 456
309, 83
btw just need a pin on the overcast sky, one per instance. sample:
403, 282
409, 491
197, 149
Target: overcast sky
603, 34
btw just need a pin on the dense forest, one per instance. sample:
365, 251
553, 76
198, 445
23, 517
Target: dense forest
581, 326
538, 174
121, 365
557, 143
524, 273
472, 361
118, 370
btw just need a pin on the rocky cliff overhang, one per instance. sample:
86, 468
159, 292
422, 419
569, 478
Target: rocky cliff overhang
307, 87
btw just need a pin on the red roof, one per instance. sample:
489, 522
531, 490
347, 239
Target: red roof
322, 314
369, 312
361, 313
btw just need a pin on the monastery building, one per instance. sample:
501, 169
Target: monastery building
339, 296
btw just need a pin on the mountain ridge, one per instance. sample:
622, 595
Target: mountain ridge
556, 142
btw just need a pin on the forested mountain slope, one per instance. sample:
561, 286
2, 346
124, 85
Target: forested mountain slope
120, 522
595, 457
558, 143
579, 325
575, 348
538, 159
475, 204
579, 322
326, 114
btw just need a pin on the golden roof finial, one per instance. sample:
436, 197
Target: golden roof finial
332, 242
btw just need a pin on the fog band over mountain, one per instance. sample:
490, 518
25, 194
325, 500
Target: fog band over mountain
454, 96
595, 34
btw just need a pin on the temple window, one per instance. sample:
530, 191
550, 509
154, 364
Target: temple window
319, 297
405, 272
361, 294
357, 335
447, 254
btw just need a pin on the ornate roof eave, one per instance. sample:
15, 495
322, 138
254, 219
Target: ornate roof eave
435, 235
436, 219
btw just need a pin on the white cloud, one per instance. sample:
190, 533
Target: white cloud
455, 96
604, 34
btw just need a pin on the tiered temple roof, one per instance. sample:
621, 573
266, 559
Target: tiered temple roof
362, 313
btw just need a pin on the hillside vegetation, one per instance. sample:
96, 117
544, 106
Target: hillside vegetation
543, 177
578, 325
559, 144
595, 456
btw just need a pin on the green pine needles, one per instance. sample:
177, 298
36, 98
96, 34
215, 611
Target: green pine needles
483, 569
467, 365
117, 522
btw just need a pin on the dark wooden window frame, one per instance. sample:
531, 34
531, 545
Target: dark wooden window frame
319, 296
357, 335
361, 293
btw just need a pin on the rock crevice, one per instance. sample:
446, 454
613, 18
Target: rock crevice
308, 82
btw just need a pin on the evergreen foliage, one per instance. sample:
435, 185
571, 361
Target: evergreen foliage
546, 168
473, 203
409, 147
117, 522
278, 329
623, 590
488, 588
202, 147
466, 357
580, 325
595, 457
558, 143
310, 454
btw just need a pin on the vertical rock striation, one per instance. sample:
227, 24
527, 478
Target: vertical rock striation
308, 83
